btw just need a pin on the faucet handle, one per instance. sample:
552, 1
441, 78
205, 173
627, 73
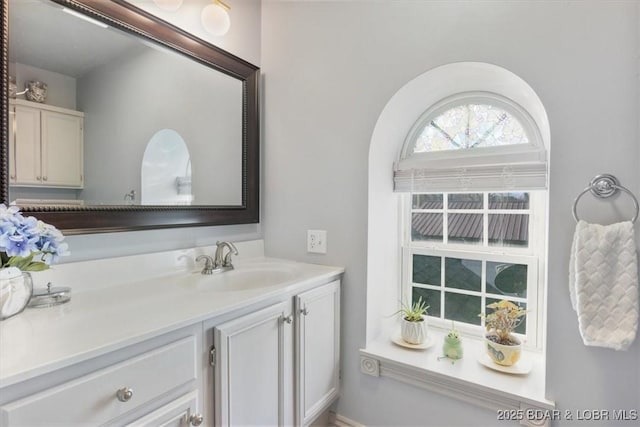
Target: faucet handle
208, 264
227, 260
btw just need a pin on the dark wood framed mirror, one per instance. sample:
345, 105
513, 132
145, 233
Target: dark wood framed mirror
117, 213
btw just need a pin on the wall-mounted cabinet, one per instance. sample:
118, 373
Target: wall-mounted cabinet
45, 146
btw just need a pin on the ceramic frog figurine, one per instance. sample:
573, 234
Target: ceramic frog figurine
452, 346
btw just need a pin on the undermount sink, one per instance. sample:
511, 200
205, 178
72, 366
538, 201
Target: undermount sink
242, 279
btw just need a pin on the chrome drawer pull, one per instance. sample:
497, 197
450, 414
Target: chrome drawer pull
287, 319
196, 419
304, 311
124, 394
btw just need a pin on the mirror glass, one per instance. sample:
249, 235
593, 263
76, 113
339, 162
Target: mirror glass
110, 97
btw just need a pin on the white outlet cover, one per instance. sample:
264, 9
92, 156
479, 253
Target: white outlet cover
317, 241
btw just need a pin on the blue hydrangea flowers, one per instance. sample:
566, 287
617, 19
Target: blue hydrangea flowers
27, 243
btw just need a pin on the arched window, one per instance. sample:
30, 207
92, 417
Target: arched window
462, 223
469, 125
473, 173
473, 140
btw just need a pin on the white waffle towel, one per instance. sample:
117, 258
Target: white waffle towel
603, 284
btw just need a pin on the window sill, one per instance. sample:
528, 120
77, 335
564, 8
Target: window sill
518, 397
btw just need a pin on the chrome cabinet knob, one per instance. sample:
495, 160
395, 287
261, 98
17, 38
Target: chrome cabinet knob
287, 319
12, 177
124, 394
196, 419
38, 178
304, 311
44, 178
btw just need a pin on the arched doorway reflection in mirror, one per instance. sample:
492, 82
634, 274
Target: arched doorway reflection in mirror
166, 170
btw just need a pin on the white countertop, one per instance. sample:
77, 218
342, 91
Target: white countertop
101, 319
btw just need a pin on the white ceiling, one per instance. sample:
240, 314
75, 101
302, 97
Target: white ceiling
43, 36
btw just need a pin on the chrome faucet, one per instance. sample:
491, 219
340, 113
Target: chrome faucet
208, 264
219, 262
224, 262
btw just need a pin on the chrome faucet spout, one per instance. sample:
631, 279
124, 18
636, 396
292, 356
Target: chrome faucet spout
224, 261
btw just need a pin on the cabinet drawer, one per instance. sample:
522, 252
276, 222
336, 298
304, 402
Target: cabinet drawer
175, 414
93, 400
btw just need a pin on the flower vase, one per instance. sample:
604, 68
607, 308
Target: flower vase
16, 288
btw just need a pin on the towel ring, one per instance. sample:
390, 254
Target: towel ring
603, 186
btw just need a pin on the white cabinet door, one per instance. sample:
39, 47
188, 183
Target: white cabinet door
61, 149
181, 412
317, 351
26, 147
46, 146
254, 369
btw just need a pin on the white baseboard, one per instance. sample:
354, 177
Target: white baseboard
338, 420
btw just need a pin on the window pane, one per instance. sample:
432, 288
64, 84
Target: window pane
507, 279
426, 226
431, 297
508, 200
427, 201
465, 228
463, 274
509, 230
426, 270
470, 126
522, 327
465, 201
462, 308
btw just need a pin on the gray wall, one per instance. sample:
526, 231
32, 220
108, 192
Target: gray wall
146, 90
329, 70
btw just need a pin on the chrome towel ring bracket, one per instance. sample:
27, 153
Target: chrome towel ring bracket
604, 186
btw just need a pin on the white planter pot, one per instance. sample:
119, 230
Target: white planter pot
505, 355
414, 332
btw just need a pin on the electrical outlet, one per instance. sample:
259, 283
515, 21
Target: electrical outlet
317, 241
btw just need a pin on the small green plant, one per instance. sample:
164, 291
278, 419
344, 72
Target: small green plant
414, 312
504, 320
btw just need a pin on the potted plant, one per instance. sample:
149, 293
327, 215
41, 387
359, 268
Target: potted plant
26, 244
502, 346
413, 326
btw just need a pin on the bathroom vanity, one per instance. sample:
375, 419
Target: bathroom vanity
170, 346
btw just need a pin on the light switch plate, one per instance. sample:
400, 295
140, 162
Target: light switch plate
317, 241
